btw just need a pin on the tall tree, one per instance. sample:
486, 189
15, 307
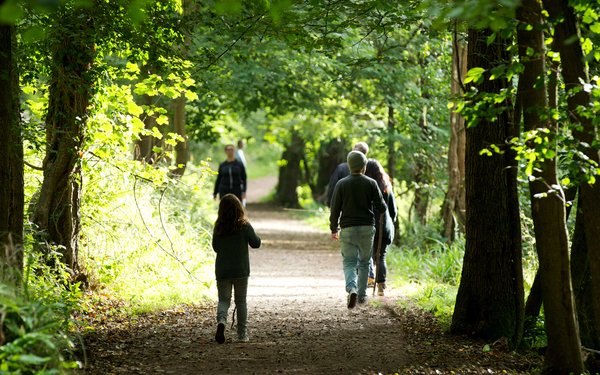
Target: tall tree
489, 303
56, 213
453, 210
574, 73
11, 154
290, 173
547, 201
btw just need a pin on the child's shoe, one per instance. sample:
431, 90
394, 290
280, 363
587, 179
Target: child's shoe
380, 289
220, 335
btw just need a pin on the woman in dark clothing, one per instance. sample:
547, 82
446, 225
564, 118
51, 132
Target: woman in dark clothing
232, 176
376, 172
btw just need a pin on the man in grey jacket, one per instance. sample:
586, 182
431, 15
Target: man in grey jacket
352, 209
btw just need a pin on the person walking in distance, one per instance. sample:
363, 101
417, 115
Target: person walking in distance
383, 221
231, 237
342, 171
231, 178
239, 153
352, 204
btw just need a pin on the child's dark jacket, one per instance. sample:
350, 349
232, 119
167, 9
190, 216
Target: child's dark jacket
233, 260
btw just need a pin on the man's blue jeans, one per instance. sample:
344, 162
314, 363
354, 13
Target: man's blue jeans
240, 287
356, 244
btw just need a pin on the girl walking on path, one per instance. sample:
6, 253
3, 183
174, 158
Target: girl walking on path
376, 172
232, 235
232, 176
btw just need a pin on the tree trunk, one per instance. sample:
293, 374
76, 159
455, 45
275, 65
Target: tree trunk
181, 148
145, 146
489, 303
566, 35
179, 118
11, 160
547, 207
290, 173
582, 290
57, 211
391, 143
421, 176
331, 154
534, 300
452, 210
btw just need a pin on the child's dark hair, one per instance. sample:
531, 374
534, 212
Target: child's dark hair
232, 216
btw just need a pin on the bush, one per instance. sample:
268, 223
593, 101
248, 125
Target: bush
35, 319
148, 241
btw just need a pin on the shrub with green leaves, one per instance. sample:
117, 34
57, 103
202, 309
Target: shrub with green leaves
35, 319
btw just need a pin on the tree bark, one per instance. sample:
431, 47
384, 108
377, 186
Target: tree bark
331, 154
391, 143
489, 303
582, 290
56, 213
290, 173
145, 146
181, 148
420, 176
547, 206
11, 160
567, 42
452, 209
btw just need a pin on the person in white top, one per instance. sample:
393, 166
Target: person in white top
239, 153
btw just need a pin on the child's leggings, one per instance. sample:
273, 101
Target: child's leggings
240, 287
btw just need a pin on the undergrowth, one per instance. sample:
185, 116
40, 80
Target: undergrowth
35, 316
149, 244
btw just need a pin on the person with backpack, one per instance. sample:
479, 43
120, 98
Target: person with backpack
231, 237
352, 209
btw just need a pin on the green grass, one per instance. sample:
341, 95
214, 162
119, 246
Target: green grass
428, 277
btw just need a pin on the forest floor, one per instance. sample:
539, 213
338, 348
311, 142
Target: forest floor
298, 323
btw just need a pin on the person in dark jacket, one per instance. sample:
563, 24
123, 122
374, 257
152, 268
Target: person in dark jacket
377, 173
342, 171
231, 237
354, 199
231, 178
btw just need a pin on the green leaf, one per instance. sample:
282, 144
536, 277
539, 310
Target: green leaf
474, 75
156, 133
595, 27
30, 359
134, 109
162, 120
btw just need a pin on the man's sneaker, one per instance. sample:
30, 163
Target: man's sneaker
220, 335
371, 282
380, 289
352, 300
243, 338
362, 300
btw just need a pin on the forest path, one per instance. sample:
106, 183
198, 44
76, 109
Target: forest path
298, 323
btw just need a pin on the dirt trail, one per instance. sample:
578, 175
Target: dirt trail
298, 323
